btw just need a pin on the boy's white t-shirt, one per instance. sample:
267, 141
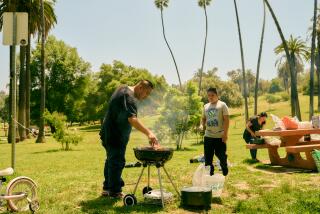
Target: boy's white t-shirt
214, 118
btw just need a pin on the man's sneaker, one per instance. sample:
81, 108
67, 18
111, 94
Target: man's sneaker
105, 193
116, 195
225, 171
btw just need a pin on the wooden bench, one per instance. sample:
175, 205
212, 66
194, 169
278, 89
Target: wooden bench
302, 148
259, 146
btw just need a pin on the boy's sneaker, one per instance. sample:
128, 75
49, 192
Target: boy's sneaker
225, 171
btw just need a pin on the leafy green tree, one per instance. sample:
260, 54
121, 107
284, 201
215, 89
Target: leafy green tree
67, 79
173, 121
160, 4
258, 63
245, 95
203, 4
228, 91
275, 86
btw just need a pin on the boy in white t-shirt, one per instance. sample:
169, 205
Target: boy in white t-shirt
215, 122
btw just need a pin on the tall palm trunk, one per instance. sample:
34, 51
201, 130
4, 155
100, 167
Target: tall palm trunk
28, 80
245, 91
165, 39
22, 95
318, 68
294, 91
259, 59
41, 138
204, 48
312, 59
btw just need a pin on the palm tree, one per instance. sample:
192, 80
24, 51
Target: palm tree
258, 64
204, 4
245, 91
35, 28
160, 4
41, 138
295, 106
298, 53
312, 60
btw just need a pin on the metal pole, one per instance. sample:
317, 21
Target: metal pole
13, 91
135, 188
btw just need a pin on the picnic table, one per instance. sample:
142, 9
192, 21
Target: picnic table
294, 144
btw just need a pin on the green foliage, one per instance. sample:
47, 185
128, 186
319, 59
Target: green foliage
275, 86
57, 122
112, 76
284, 96
67, 79
179, 113
228, 91
271, 98
4, 106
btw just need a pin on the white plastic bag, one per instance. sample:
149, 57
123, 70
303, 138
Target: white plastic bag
278, 124
273, 141
199, 173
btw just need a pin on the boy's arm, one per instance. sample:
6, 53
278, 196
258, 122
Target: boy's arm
225, 128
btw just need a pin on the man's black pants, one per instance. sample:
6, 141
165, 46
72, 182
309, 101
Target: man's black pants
218, 147
113, 167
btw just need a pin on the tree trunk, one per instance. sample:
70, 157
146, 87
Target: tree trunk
22, 95
165, 39
204, 49
294, 91
312, 59
41, 136
28, 83
318, 68
245, 91
258, 64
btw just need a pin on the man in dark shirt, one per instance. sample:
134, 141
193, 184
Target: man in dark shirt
115, 132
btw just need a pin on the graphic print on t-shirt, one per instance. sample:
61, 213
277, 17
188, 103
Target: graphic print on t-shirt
212, 119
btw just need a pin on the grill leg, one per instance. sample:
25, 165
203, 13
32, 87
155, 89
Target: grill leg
135, 188
148, 176
171, 181
159, 176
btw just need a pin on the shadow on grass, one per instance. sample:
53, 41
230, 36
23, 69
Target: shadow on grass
250, 161
216, 200
55, 150
281, 169
185, 149
197, 144
89, 128
107, 205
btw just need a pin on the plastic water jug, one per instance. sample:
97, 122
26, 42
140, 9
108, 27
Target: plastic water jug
215, 182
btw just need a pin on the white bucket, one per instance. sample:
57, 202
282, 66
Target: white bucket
215, 182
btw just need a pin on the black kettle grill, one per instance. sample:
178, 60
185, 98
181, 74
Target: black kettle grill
150, 157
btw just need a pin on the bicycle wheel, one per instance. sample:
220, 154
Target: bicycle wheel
21, 185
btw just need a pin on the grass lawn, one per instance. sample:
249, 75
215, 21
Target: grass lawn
71, 182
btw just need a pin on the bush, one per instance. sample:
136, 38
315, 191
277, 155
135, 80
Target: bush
284, 96
272, 98
57, 121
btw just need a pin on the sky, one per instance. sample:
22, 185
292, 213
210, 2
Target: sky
130, 31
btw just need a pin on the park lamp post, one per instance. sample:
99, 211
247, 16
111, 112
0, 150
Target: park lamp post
15, 32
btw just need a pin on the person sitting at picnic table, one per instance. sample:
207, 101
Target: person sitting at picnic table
254, 124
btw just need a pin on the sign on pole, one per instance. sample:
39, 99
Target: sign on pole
21, 28
15, 32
